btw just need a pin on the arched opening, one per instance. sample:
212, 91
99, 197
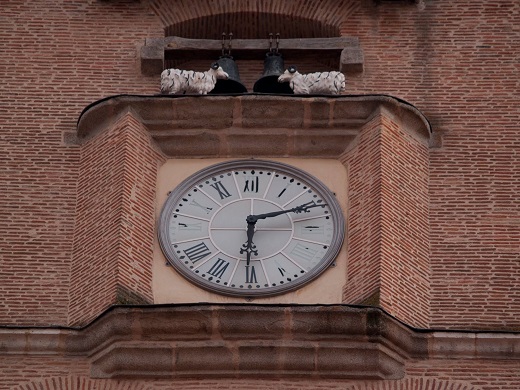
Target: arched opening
252, 25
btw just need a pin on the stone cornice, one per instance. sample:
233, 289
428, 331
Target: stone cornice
171, 341
252, 124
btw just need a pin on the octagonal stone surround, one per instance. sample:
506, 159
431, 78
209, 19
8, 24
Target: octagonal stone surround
252, 124
378, 138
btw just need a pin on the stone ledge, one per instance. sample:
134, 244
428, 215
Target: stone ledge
243, 341
333, 341
251, 124
471, 345
239, 359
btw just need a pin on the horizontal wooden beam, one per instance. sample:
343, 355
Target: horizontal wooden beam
336, 43
344, 51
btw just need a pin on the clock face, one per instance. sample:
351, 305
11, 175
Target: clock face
294, 231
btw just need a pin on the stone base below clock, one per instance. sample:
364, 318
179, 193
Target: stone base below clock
250, 341
203, 341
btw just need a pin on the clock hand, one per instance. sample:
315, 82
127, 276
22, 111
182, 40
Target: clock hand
298, 209
249, 247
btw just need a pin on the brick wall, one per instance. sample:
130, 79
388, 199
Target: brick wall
388, 235
458, 63
432, 378
405, 258
364, 217
114, 232
57, 57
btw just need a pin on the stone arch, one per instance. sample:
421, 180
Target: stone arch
81, 383
414, 383
328, 12
252, 25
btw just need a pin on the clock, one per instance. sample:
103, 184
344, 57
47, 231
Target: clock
251, 228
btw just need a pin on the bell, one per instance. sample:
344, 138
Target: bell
233, 83
273, 68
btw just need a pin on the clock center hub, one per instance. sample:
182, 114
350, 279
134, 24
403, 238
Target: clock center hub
228, 226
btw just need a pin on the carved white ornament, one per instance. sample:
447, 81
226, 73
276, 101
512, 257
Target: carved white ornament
329, 83
180, 82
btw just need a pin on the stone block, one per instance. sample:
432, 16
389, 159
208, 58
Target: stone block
114, 324
206, 113
134, 362
353, 113
257, 143
452, 344
497, 346
318, 112
152, 60
298, 359
322, 143
277, 360
203, 360
327, 322
189, 143
175, 325
272, 112
361, 361
351, 60
258, 359
266, 323
407, 342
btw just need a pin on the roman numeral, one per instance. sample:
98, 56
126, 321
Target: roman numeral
218, 269
281, 269
251, 184
222, 191
190, 226
250, 274
303, 252
197, 252
285, 188
206, 209
312, 229
311, 203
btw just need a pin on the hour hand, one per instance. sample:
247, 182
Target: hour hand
249, 247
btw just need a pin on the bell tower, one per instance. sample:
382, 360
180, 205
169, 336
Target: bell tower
307, 37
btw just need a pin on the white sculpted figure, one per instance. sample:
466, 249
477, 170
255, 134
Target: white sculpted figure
180, 82
330, 83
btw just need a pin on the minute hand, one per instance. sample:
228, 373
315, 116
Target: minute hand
298, 209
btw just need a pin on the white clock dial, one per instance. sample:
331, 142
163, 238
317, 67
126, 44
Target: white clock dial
251, 228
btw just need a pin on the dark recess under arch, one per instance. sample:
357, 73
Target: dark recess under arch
252, 25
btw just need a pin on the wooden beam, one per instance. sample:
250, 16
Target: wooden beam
318, 44
344, 51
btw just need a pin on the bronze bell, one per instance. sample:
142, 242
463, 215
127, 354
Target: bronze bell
273, 68
233, 83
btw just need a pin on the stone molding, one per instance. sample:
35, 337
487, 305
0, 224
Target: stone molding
252, 124
241, 341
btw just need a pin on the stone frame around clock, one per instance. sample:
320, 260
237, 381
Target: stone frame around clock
382, 141
321, 188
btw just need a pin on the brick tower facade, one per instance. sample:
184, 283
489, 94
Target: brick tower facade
421, 152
